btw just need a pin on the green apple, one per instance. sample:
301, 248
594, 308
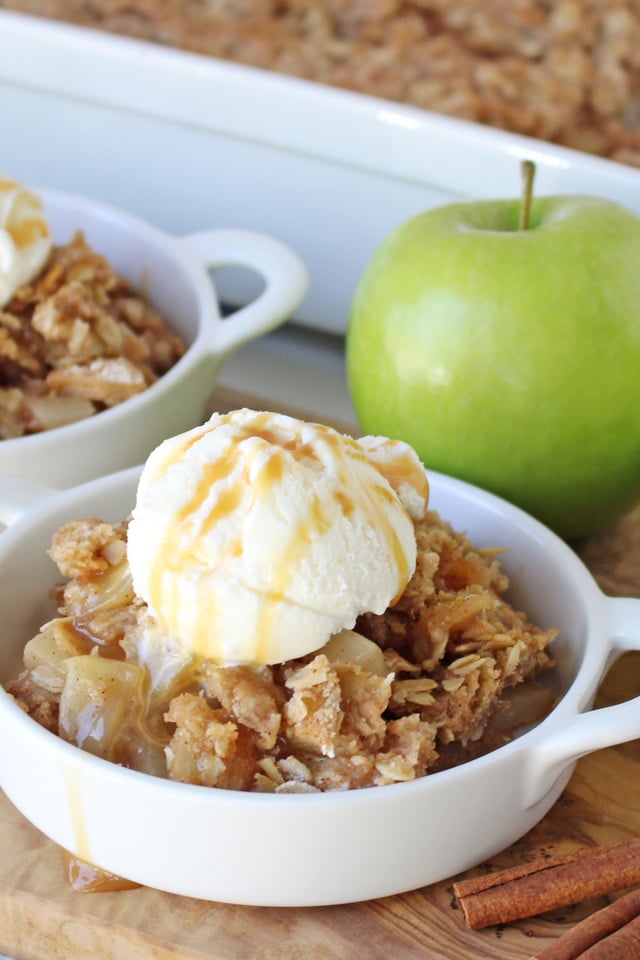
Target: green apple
510, 357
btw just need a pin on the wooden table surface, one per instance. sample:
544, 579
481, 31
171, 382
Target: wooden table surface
42, 918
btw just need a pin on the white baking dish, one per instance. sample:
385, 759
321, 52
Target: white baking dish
186, 141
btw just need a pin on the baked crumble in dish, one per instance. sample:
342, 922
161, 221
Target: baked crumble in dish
76, 340
559, 70
444, 675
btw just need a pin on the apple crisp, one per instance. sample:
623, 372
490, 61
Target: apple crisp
76, 340
561, 71
443, 676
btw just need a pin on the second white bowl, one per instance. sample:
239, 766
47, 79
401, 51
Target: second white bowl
173, 273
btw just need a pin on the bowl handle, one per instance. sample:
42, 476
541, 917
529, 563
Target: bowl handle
582, 733
284, 273
18, 495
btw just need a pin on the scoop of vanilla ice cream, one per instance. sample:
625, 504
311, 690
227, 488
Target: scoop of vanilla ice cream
25, 238
257, 536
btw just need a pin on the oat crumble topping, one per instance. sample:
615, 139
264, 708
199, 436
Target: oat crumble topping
76, 340
445, 675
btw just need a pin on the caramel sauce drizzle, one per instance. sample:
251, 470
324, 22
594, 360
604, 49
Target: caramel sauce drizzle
27, 231
401, 468
185, 541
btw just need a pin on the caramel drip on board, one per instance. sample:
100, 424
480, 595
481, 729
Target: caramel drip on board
85, 877
72, 783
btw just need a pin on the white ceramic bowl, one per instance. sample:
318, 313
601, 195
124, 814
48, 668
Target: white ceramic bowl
301, 850
173, 272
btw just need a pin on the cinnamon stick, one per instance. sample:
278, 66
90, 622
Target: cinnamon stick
624, 944
613, 932
542, 885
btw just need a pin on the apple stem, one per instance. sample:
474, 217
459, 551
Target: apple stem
528, 170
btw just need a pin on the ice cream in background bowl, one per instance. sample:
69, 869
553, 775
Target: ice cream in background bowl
25, 237
256, 537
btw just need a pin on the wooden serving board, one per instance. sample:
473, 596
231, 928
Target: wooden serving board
41, 918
